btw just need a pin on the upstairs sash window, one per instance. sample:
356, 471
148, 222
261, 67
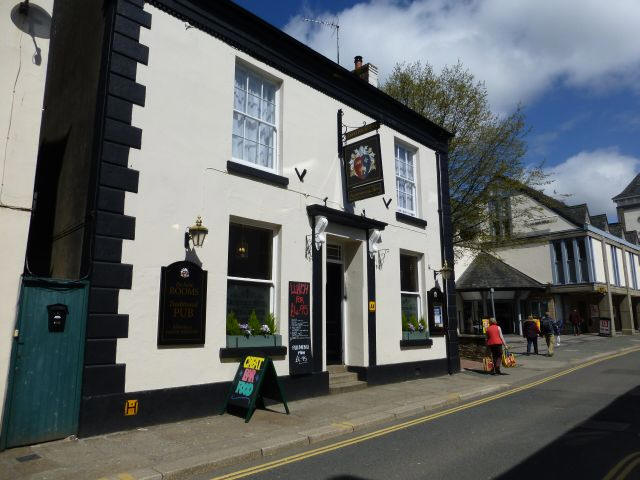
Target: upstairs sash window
406, 181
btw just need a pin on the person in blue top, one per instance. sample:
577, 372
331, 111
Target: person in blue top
548, 327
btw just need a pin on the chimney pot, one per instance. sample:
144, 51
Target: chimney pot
357, 61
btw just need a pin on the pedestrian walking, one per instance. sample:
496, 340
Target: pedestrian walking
546, 325
558, 330
495, 341
576, 320
530, 331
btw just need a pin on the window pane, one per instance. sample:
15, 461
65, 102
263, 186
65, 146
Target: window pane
410, 205
557, 247
241, 78
408, 273
266, 156
253, 106
243, 298
268, 112
249, 252
250, 151
269, 92
238, 124
251, 130
239, 100
266, 135
237, 147
410, 306
255, 85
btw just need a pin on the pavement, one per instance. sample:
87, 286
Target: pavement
182, 449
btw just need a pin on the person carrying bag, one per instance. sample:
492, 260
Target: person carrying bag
495, 341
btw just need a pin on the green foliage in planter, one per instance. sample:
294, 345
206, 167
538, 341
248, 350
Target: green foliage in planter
423, 323
405, 323
233, 328
413, 320
254, 324
271, 322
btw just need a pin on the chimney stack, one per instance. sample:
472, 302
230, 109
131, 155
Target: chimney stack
367, 72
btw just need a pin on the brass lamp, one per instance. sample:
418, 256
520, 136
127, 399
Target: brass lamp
196, 233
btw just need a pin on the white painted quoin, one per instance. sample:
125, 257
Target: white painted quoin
187, 125
23, 60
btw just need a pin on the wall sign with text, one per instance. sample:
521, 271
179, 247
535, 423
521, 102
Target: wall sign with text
363, 169
299, 328
183, 296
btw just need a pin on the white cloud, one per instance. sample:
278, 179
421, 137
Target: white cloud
519, 48
593, 177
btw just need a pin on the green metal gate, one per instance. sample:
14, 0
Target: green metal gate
45, 380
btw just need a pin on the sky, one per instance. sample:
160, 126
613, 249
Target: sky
574, 65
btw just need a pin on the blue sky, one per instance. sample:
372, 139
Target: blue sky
574, 65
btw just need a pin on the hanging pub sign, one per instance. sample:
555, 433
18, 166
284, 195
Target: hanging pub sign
183, 295
299, 328
255, 380
363, 169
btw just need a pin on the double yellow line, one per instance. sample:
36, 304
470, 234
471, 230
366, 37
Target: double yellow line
385, 431
624, 467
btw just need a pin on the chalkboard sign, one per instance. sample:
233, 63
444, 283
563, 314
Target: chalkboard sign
255, 380
183, 295
299, 328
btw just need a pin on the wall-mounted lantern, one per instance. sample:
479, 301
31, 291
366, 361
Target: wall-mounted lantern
446, 271
320, 237
374, 239
196, 233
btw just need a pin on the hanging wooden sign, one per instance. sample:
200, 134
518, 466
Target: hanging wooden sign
183, 296
299, 328
363, 169
362, 130
255, 380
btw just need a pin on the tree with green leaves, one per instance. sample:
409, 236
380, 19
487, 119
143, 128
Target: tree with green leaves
485, 155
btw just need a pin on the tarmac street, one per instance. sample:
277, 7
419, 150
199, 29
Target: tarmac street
577, 407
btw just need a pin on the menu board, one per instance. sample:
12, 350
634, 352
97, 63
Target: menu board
255, 380
299, 328
182, 313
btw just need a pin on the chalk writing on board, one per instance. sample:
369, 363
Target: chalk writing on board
299, 328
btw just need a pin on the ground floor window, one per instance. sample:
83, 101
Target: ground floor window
410, 294
250, 285
472, 315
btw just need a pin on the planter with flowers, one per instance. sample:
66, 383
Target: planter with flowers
252, 333
414, 329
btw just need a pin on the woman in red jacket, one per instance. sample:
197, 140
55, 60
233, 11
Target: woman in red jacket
495, 341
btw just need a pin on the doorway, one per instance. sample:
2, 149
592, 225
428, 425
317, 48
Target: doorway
333, 308
504, 316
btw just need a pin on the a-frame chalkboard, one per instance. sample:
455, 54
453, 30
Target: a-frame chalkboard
255, 380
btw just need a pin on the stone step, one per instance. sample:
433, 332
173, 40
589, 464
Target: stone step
339, 378
336, 368
347, 387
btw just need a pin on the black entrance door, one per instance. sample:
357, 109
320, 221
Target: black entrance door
504, 316
334, 313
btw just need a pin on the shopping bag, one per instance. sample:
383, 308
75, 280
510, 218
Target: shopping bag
487, 364
508, 359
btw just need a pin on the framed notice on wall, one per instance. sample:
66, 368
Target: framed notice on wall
363, 169
183, 295
299, 328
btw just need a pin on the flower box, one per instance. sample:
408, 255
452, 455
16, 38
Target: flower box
244, 341
414, 335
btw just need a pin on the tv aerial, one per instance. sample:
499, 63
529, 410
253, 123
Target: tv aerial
334, 26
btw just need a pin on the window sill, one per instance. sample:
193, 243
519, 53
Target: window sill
241, 352
256, 174
415, 221
424, 342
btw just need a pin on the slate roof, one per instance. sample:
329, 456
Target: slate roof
616, 229
579, 213
631, 190
486, 271
632, 237
600, 221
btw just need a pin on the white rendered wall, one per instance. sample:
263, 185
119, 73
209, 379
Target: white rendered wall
598, 260
21, 95
531, 217
186, 143
533, 260
610, 263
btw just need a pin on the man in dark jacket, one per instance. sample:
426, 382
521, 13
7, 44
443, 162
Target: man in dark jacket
530, 331
547, 325
576, 320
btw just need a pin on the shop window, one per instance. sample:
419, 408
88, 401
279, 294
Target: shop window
583, 260
250, 287
411, 298
558, 264
254, 137
614, 264
632, 270
571, 261
406, 181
